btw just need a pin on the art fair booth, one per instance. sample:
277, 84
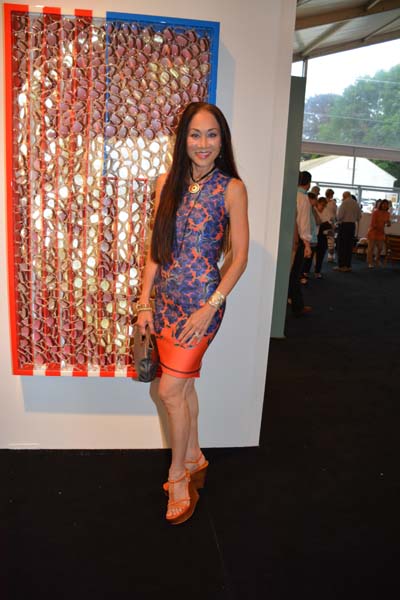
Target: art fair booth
92, 93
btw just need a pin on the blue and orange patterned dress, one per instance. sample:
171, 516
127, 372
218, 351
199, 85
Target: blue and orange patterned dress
186, 283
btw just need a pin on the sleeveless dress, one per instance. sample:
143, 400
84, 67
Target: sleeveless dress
187, 282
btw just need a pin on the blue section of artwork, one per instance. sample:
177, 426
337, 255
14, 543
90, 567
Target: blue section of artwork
208, 29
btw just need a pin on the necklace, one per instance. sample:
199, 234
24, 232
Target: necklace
195, 187
188, 217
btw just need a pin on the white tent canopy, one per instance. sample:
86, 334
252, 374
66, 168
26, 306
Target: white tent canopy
343, 170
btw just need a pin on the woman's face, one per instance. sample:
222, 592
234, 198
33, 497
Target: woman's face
313, 201
203, 142
384, 205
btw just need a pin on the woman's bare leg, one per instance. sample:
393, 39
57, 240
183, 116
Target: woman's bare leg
193, 451
172, 394
379, 250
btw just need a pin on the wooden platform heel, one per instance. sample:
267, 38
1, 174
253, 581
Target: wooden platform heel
185, 507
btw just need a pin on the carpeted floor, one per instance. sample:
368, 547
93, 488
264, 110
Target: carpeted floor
312, 513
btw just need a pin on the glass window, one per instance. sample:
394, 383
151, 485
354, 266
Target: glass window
351, 99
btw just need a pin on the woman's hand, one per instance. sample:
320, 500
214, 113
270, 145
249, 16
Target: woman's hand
197, 325
307, 249
144, 318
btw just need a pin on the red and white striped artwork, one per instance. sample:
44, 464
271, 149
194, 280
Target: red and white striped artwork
91, 107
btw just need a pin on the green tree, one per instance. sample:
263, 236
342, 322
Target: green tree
317, 112
367, 113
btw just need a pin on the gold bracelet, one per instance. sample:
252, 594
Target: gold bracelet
142, 306
216, 300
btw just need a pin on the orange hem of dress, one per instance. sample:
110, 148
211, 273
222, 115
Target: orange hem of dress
179, 374
186, 360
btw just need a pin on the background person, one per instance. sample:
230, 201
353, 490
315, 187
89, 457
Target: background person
376, 233
301, 244
314, 221
195, 202
348, 215
321, 215
332, 209
315, 190
324, 227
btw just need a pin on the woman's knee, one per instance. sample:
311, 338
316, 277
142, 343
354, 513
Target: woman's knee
189, 385
171, 393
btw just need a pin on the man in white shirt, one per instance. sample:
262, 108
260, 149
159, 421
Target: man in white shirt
301, 244
349, 214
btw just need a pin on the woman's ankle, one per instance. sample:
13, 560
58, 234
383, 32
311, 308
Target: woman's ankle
176, 473
194, 455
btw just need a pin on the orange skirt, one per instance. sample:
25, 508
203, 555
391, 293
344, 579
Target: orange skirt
182, 361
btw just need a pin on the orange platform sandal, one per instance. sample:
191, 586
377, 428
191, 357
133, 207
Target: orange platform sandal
185, 506
197, 474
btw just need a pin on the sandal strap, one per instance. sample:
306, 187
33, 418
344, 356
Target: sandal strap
186, 475
171, 482
177, 502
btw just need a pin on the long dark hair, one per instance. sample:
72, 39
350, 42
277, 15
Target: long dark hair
172, 192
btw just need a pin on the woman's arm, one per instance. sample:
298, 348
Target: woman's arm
145, 317
234, 264
236, 203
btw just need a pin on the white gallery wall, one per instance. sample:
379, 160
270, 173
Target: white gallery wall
253, 91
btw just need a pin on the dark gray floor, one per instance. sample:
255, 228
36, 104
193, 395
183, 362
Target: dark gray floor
311, 513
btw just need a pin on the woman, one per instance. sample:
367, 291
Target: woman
195, 202
332, 209
321, 216
376, 232
324, 227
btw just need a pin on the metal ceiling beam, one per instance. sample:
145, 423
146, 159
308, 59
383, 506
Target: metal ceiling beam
325, 35
372, 4
371, 35
346, 14
343, 46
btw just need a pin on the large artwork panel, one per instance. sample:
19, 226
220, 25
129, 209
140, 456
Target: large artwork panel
91, 109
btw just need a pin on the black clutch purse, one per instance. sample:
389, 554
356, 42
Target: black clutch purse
145, 355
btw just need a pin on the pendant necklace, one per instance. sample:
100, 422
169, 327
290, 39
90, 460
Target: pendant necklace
194, 187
